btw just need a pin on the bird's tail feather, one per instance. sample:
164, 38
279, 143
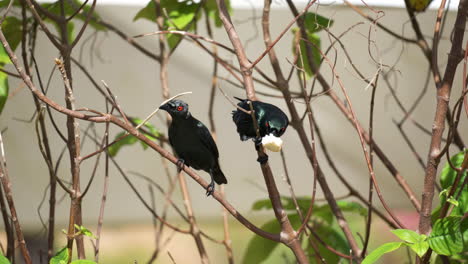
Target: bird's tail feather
218, 175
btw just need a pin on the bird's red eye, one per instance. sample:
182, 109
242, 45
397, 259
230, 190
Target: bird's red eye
180, 108
266, 124
282, 129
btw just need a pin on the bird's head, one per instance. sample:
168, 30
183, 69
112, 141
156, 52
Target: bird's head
176, 108
277, 127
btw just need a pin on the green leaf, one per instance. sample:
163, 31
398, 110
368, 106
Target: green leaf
332, 236
446, 237
315, 22
464, 230
453, 201
211, 8
5, 3
352, 207
4, 260
419, 5
259, 248
130, 140
85, 231
83, 261
408, 235
447, 178
12, 29
383, 249
60, 257
154, 132
416, 242
314, 43
3, 90
181, 13
262, 204
419, 248
448, 175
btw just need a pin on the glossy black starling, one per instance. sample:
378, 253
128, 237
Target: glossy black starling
193, 143
271, 120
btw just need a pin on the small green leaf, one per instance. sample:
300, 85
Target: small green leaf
3, 90
416, 242
332, 236
83, 261
85, 231
61, 257
315, 22
4, 260
181, 14
352, 207
448, 175
452, 201
262, 204
408, 235
446, 237
148, 12
5, 3
128, 140
447, 178
419, 5
152, 129
259, 248
211, 8
12, 29
383, 249
419, 248
314, 44
443, 192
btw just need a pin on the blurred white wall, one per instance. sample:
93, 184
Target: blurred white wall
134, 79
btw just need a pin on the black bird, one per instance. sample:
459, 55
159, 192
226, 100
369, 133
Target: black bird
193, 143
270, 119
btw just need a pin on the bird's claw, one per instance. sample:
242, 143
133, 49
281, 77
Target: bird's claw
263, 159
180, 164
210, 189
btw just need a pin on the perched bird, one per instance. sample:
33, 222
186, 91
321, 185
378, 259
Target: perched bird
193, 143
270, 119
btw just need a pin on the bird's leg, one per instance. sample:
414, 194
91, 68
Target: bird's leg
263, 159
180, 164
211, 186
258, 142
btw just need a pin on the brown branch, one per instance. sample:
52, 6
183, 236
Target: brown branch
10, 252
104, 197
214, 84
245, 65
361, 139
6, 185
133, 131
443, 97
194, 229
288, 235
380, 25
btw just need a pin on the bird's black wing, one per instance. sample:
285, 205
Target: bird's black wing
206, 138
242, 120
